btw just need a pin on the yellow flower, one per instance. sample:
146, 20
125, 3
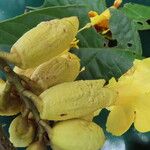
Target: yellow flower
133, 102
100, 22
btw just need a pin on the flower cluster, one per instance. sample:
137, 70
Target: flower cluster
52, 107
48, 81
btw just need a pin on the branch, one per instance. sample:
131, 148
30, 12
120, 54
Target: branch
27, 96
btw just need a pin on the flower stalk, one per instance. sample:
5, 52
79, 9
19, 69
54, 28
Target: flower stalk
26, 96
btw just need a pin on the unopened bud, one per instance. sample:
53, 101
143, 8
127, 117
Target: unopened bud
74, 99
76, 134
60, 69
43, 42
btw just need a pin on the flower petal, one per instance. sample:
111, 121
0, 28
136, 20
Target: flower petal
138, 75
142, 119
142, 74
119, 120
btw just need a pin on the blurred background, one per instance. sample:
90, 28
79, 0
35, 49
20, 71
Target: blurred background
12, 8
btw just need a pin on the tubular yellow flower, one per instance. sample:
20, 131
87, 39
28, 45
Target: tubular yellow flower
101, 21
133, 101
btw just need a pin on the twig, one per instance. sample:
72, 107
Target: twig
31, 85
27, 96
26, 112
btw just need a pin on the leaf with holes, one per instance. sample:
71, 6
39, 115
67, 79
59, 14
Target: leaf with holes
104, 63
96, 5
11, 30
139, 13
125, 32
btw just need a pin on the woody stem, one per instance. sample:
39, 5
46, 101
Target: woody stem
27, 96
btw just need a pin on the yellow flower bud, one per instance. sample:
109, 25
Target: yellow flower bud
60, 69
21, 132
76, 134
43, 42
74, 99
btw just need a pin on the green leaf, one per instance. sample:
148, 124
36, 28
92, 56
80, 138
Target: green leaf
96, 5
125, 32
104, 63
139, 13
11, 30
90, 38
34, 3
